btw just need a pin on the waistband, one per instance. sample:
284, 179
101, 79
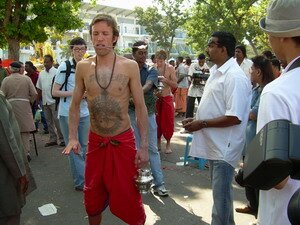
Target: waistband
166, 98
125, 136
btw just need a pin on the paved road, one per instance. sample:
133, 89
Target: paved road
189, 203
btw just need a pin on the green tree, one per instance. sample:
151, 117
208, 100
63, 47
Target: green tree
24, 21
161, 23
239, 17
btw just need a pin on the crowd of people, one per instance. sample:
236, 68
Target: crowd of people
110, 113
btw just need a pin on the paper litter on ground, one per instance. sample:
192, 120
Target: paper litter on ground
47, 209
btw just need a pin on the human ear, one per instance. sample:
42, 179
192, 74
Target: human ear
115, 39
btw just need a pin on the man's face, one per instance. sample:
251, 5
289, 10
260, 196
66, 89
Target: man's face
239, 54
213, 50
201, 62
255, 74
276, 46
47, 63
78, 51
160, 62
140, 56
103, 38
22, 69
28, 69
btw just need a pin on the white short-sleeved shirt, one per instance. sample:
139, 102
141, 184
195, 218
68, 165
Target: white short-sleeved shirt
246, 65
280, 99
227, 93
44, 83
196, 91
182, 70
63, 108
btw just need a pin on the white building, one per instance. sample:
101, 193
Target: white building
130, 30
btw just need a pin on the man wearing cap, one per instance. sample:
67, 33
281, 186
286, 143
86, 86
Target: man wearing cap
280, 99
149, 80
20, 92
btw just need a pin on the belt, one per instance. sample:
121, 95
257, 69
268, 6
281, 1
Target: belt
18, 99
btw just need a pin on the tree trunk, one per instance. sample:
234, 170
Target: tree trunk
14, 49
170, 48
253, 46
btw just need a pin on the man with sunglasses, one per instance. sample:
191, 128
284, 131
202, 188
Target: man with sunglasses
220, 123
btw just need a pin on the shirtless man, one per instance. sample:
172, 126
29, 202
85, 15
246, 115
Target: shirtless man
108, 81
164, 104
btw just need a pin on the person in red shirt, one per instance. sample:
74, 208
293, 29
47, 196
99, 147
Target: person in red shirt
32, 72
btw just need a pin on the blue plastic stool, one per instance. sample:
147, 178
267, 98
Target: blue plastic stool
188, 159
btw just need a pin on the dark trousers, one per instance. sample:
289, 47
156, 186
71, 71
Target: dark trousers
190, 106
34, 108
252, 196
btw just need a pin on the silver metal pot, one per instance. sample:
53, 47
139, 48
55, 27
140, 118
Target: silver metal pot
144, 180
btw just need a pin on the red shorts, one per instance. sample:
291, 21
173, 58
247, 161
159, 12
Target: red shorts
110, 178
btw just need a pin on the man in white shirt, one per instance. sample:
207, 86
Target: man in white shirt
44, 91
220, 124
280, 99
197, 85
241, 59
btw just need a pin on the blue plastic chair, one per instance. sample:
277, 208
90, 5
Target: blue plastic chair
188, 159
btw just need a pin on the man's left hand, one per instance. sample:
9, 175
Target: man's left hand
193, 126
142, 158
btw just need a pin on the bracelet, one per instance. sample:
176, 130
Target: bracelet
204, 124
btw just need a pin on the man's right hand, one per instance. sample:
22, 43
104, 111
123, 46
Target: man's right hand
73, 145
158, 93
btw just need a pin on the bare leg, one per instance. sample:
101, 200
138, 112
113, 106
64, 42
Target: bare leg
95, 220
168, 147
159, 144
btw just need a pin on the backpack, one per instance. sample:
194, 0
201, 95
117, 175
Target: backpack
68, 72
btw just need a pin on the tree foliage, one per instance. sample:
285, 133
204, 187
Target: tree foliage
240, 17
24, 21
161, 23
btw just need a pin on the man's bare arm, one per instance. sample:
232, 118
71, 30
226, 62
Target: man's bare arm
74, 111
56, 92
172, 79
223, 121
147, 87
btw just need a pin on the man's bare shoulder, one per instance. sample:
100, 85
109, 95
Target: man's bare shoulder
87, 62
170, 68
128, 66
126, 61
